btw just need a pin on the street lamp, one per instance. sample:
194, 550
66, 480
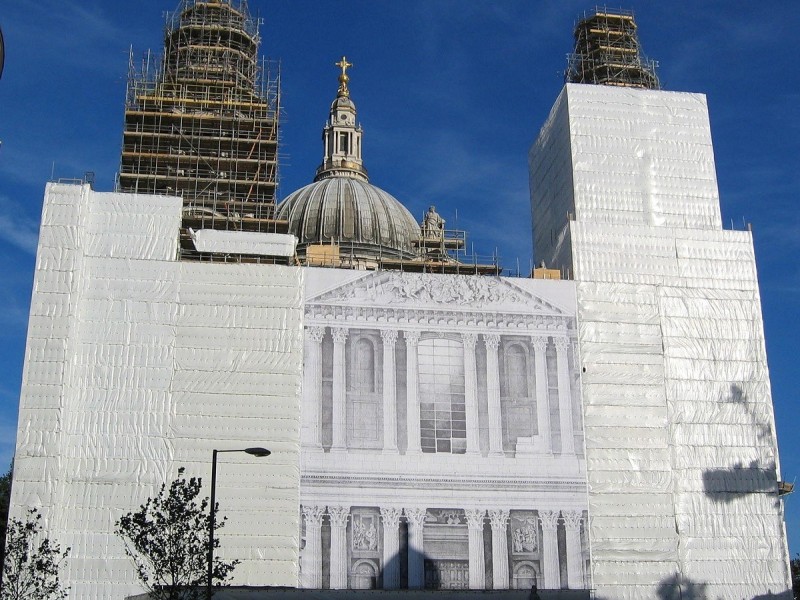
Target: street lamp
259, 452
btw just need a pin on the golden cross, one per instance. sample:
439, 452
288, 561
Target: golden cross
344, 65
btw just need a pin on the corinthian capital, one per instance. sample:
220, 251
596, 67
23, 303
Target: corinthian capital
549, 519
498, 518
389, 337
416, 516
492, 340
475, 517
313, 515
412, 338
562, 343
339, 515
315, 334
572, 519
391, 516
469, 340
539, 344
339, 334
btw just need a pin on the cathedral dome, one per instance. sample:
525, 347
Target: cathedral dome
352, 213
341, 208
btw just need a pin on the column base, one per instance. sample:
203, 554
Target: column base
338, 451
390, 452
414, 452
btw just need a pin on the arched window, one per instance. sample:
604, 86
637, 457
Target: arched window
364, 575
516, 360
526, 573
363, 367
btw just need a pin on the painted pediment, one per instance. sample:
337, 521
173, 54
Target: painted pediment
425, 290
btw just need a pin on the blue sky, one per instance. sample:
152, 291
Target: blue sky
451, 93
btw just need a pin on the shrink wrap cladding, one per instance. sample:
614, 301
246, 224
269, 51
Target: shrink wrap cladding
681, 452
136, 365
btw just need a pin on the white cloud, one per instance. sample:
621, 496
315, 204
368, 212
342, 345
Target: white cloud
17, 229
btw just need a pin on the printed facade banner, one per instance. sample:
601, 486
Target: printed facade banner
442, 442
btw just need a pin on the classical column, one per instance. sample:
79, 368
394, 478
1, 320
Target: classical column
572, 524
499, 522
477, 561
339, 416
389, 337
542, 393
564, 396
312, 392
339, 515
391, 547
493, 392
471, 393
412, 392
312, 553
552, 572
416, 551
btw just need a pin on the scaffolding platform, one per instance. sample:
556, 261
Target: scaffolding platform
201, 121
607, 52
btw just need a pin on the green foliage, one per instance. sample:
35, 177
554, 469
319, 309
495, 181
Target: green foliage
167, 538
5, 501
32, 562
795, 564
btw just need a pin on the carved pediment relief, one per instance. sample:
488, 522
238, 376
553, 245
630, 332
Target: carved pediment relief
394, 288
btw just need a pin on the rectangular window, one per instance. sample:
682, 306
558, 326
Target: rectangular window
443, 423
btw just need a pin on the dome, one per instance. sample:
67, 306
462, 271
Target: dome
352, 213
341, 208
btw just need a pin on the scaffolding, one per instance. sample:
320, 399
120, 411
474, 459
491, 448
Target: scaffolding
607, 52
442, 252
201, 121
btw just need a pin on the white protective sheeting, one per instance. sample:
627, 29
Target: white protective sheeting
137, 364
244, 242
680, 437
622, 156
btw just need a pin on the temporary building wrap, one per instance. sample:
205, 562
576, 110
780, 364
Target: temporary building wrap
132, 359
680, 437
609, 433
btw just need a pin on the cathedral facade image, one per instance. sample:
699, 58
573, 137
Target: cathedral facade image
452, 401
600, 427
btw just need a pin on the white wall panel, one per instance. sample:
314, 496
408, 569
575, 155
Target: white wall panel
119, 389
670, 326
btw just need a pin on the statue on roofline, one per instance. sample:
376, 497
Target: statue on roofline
432, 224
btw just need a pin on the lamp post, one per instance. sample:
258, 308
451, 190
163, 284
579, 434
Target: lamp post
260, 452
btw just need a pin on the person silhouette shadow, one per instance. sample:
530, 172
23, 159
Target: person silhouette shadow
534, 595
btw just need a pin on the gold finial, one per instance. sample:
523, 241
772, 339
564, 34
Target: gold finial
344, 91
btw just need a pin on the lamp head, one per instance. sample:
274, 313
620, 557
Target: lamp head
260, 452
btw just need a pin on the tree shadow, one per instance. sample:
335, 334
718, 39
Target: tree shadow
681, 588
678, 588
728, 484
411, 570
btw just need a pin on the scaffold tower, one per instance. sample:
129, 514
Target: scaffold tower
201, 121
607, 52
